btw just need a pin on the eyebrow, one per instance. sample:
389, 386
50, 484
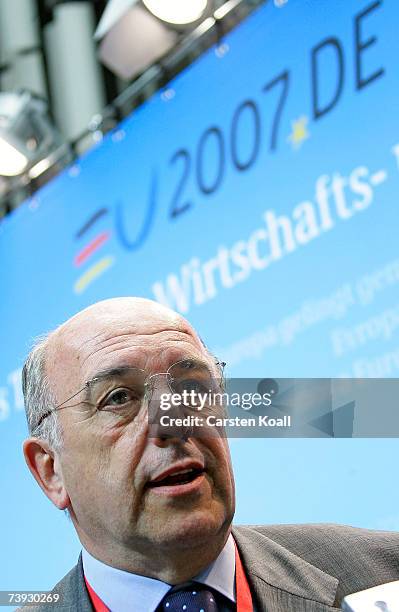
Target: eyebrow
108, 372
122, 369
116, 371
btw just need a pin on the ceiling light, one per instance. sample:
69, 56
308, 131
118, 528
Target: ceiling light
39, 168
134, 34
26, 132
177, 12
12, 162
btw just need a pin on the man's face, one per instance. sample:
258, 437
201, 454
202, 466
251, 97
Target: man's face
108, 463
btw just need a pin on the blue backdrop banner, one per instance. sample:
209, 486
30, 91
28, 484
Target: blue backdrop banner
257, 195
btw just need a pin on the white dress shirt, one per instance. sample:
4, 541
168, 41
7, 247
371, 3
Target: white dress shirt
125, 592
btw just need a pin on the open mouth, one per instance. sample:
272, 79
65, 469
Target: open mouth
178, 478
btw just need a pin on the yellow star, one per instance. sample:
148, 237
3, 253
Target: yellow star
299, 131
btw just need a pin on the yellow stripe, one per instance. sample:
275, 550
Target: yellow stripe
92, 273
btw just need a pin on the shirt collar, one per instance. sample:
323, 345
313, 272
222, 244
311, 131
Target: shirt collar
126, 592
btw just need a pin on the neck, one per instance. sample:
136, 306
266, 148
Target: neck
171, 563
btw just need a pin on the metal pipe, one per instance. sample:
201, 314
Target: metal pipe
76, 84
21, 51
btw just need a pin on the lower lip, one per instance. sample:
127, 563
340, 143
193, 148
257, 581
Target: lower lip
182, 489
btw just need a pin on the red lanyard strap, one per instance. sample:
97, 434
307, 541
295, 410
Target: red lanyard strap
243, 593
97, 603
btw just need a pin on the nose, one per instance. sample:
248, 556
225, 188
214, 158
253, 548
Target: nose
163, 411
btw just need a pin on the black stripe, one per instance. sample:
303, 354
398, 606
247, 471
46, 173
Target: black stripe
90, 222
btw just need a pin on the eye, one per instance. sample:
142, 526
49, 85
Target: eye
189, 385
120, 398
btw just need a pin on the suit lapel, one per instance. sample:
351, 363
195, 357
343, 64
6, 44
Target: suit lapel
281, 580
72, 591
83, 598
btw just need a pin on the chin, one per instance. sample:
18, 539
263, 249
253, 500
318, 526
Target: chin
186, 531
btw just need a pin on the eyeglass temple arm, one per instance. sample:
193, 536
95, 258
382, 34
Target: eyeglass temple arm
51, 410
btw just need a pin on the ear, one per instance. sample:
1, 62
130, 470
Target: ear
45, 467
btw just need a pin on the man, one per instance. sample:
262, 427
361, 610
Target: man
154, 512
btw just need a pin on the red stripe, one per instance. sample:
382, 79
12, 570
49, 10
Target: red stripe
98, 604
91, 247
243, 592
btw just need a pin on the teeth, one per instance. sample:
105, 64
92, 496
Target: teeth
179, 473
182, 472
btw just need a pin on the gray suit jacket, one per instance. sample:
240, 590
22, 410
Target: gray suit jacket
290, 568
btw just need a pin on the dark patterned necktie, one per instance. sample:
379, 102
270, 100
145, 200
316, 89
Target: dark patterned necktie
192, 598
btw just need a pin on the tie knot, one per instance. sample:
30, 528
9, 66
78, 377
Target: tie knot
193, 597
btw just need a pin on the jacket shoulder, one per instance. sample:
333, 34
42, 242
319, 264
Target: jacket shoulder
358, 558
72, 594
330, 534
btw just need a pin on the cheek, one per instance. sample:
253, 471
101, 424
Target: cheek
104, 458
221, 463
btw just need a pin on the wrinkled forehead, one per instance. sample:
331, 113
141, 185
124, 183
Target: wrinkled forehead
88, 344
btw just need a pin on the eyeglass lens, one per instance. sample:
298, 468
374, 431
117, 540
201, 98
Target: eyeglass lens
124, 389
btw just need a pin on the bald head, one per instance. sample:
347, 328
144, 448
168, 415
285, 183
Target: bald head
86, 341
139, 315
127, 329
140, 310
